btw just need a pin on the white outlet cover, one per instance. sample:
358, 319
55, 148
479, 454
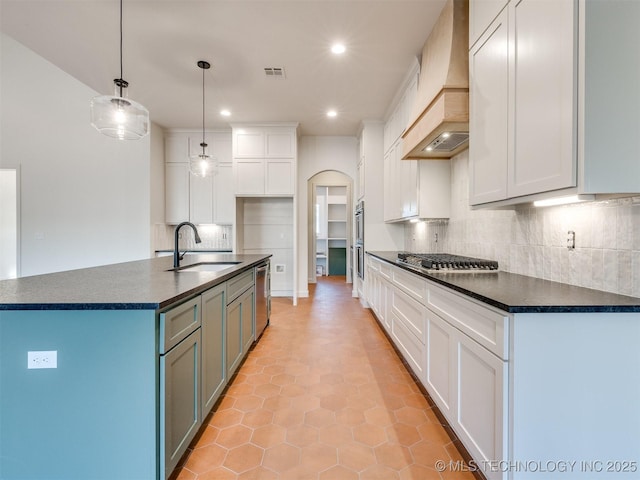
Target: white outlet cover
43, 359
280, 268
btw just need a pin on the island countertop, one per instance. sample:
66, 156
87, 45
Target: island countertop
515, 293
138, 285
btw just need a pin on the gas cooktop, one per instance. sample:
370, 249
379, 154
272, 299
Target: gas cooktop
444, 262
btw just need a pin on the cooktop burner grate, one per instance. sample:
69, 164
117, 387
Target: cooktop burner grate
447, 262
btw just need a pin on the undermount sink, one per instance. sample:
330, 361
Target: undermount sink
206, 267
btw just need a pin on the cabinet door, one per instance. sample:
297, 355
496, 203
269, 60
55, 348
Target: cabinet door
249, 177
280, 143
481, 14
214, 375
279, 177
201, 199
489, 114
176, 149
220, 146
176, 192
544, 156
234, 336
482, 404
383, 301
408, 185
179, 400
392, 202
440, 363
224, 198
248, 143
248, 319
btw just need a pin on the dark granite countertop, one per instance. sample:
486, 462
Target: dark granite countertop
138, 285
521, 294
196, 250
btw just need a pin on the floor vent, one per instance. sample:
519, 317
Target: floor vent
274, 72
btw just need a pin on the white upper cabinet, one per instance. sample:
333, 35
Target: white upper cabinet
489, 113
279, 143
196, 199
264, 159
176, 177
412, 188
481, 14
248, 143
544, 106
546, 110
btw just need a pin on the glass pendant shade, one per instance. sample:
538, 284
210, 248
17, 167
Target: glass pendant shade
203, 165
119, 117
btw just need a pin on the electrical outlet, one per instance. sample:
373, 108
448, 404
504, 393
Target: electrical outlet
571, 239
435, 237
42, 359
280, 268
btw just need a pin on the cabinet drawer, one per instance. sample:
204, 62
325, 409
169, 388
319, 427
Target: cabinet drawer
488, 327
412, 349
410, 313
177, 323
385, 270
239, 284
373, 263
411, 284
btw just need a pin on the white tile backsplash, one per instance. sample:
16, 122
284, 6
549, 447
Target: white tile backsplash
218, 237
532, 241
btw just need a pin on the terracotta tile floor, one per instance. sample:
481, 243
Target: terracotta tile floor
322, 396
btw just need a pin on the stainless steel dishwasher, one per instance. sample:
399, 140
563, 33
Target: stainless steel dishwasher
263, 297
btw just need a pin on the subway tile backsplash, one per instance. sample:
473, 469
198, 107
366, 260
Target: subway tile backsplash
532, 241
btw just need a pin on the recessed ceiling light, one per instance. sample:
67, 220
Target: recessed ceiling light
338, 48
332, 113
225, 113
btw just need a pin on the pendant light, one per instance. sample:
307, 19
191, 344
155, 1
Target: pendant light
117, 116
202, 164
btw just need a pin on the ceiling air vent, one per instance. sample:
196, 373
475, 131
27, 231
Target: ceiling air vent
274, 72
447, 142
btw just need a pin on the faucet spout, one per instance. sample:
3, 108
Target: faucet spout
176, 254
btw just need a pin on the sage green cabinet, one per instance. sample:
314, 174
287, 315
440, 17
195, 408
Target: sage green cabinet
240, 318
180, 416
248, 319
214, 375
240, 329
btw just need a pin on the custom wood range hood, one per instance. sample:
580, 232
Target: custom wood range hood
439, 125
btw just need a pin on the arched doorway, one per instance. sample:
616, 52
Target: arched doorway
330, 225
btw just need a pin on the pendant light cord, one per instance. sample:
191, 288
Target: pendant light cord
203, 142
121, 76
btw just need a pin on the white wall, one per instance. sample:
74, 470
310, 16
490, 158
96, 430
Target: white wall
532, 241
317, 154
85, 197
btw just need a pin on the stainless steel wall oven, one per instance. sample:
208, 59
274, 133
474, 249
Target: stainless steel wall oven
359, 246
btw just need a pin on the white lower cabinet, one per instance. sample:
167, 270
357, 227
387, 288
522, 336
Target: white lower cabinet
456, 348
480, 392
504, 381
440, 368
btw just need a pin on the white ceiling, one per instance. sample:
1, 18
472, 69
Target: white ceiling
163, 40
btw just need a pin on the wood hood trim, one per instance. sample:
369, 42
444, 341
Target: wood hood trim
442, 102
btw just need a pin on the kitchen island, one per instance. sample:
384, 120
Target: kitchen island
538, 379
141, 353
